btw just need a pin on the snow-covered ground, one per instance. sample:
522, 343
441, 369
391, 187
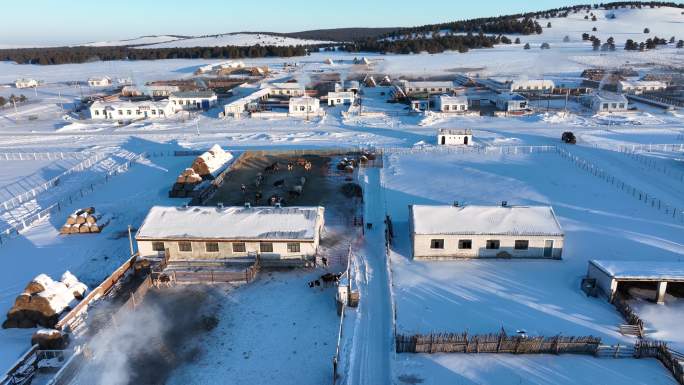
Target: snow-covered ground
542, 297
235, 39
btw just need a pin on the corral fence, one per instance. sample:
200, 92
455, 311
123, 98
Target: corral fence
495, 343
671, 359
213, 276
485, 150
17, 200
8, 231
630, 316
676, 213
42, 155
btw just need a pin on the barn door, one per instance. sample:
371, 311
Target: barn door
443, 140
548, 248
465, 140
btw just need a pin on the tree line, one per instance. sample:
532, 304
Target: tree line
63, 55
437, 44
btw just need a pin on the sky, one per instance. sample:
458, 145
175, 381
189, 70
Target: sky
54, 22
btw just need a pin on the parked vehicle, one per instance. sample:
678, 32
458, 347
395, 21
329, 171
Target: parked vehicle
569, 137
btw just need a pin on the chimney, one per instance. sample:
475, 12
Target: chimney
504, 203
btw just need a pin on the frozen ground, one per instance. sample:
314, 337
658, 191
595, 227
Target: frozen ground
542, 297
275, 330
525, 370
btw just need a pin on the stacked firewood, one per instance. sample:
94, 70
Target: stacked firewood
82, 221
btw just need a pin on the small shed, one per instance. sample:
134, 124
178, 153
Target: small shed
608, 102
454, 137
511, 102
304, 106
451, 104
612, 277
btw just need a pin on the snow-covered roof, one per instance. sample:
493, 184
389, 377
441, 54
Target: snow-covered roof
610, 97
432, 84
460, 99
642, 83
231, 223
291, 86
304, 100
125, 104
455, 131
641, 270
485, 220
194, 94
99, 78
540, 83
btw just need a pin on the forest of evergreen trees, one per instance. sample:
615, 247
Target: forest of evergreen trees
458, 36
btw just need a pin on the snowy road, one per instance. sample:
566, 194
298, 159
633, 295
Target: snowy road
373, 335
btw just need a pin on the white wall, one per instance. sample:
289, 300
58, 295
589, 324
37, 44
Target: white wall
307, 249
422, 250
604, 281
454, 140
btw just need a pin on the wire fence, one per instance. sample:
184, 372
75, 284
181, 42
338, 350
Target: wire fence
8, 231
18, 200
43, 155
647, 198
493, 150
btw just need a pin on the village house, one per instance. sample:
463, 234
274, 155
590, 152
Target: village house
25, 83
640, 86
435, 87
612, 277
100, 81
608, 102
532, 85
453, 137
419, 105
450, 104
160, 91
340, 98
286, 89
235, 108
120, 110
304, 106
193, 100
448, 232
349, 86
201, 234
512, 103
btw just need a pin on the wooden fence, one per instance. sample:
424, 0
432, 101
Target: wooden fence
495, 343
671, 359
628, 313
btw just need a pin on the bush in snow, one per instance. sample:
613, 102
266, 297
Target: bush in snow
646, 30
527, 46
545, 46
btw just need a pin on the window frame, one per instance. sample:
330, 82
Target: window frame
265, 246
206, 247
518, 245
437, 244
155, 246
294, 247
492, 242
239, 247
462, 243
181, 245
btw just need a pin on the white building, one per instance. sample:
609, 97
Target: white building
452, 137
640, 86
304, 106
511, 102
447, 232
286, 89
193, 100
100, 81
437, 87
532, 85
160, 91
445, 103
235, 108
202, 233
420, 104
338, 98
121, 110
25, 83
607, 102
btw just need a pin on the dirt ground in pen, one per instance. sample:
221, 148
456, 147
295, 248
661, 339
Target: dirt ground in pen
161, 334
323, 186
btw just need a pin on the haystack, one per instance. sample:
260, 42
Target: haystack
43, 300
82, 221
50, 339
212, 162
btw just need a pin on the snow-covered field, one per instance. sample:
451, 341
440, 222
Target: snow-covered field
541, 297
235, 39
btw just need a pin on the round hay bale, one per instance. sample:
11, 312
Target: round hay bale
89, 210
22, 300
94, 228
74, 229
84, 228
66, 229
38, 284
91, 219
81, 219
50, 339
71, 219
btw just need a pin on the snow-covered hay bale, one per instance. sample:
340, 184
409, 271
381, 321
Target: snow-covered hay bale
212, 161
44, 300
72, 219
49, 339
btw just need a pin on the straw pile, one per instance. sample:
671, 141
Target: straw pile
82, 221
189, 175
50, 339
43, 300
211, 162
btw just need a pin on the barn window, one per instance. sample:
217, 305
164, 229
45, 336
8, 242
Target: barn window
522, 244
158, 246
212, 247
293, 247
493, 244
266, 247
437, 243
185, 246
239, 247
465, 243
97, 112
